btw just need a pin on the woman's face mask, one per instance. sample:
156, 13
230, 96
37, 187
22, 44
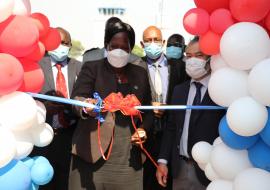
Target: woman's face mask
174, 52
195, 67
60, 54
153, 50
118, 58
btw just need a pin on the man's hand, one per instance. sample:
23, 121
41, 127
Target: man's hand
162, 174
88, 110
135, 139
158, 113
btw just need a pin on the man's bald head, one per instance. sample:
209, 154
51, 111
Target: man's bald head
152, 33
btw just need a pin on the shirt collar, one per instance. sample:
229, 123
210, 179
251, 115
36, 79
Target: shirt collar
162, 61
203, 81
64, 63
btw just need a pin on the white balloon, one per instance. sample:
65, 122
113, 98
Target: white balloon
247, 117
7, 146
202, 166
258, 82
210, 173
201, 152
41, 112
220, 185
217, 62
252, 179
42, 135
22, 7
227, 162
18, 111
6, 7
227, 85
24, 144
217, 141
244, 44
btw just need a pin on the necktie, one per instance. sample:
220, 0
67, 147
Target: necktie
61, 90
158, 83
193, 116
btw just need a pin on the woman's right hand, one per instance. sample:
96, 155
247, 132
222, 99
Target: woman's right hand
88, 110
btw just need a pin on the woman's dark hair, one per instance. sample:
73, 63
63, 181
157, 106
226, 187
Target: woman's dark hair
176, 38
117, 28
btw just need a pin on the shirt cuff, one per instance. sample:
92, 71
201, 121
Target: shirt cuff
162, 161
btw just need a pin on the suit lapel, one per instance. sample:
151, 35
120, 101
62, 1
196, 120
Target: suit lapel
47, 68
71, 75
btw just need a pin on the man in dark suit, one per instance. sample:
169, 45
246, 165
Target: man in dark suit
60, 74
185, 128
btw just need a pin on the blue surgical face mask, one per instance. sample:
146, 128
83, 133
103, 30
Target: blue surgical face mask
60, 54
174, 52
153, 50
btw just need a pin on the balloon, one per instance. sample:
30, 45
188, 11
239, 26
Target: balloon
41, 173
41, 112
42, 23
226, 85
258, 82
6, 7
211, 5
19, 43
40, 159
22, 7
217, 62
38, 53
21, 105
217, 141
209, 43
267, 21
249, 10
7, 146
220, 185
227, 162
265, 134
220, 20
29, 162
15, 176
210, 173
196, 21
11, 74
24, 144
33, 77
201, 152
52, 40
244, 44
259, 155
252, 179
246, 117
34, 186
42, 135
233, 140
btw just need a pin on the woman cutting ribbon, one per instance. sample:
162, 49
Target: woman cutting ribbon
123, 169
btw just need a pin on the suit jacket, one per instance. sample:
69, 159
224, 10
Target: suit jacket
98, 76
205, 124
48, 88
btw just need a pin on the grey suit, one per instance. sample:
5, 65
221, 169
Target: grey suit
58, 152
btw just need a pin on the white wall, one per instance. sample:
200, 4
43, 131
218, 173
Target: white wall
82, 19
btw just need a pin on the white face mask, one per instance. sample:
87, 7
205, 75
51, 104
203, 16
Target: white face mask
118, 58
195, 67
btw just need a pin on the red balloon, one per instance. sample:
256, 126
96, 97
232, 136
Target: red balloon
211, 5
267, 21
220, 20
38, 53
210, 42
249, 10
33, 79
52, 40
42, 23
18, 36
11, 74
196, 21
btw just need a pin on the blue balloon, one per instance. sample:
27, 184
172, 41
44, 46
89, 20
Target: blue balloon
41, 173
265, 134
29, 162
34, 186
259, 155
234, 140
40, 159
15, 176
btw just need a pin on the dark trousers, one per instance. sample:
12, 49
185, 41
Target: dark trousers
59, 154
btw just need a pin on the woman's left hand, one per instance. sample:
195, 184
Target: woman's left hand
135, 139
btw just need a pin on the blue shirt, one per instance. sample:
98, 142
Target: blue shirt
164, 73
